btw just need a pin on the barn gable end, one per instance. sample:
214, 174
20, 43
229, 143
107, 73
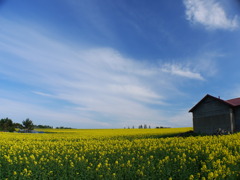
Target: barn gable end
212, 113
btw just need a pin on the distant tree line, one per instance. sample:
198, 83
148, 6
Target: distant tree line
8, 125
145, 126
162, 127
62, 127
140, 127
43, 127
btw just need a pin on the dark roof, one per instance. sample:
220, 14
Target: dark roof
230, 102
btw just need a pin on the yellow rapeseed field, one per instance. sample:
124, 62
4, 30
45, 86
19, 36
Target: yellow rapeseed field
118, 154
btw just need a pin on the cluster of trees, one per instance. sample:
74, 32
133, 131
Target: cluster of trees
8, 125
144, 127
43, 127
140, 127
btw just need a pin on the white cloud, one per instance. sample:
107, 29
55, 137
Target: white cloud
209, 13
180, 70
103, 88
43, 94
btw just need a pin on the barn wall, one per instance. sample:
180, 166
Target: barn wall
237, 118
211, 115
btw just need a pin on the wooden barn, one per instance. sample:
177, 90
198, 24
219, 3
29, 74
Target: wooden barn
211, 114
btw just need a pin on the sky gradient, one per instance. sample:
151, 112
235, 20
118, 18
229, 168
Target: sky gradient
114, 64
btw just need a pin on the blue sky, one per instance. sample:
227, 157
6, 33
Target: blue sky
114, 64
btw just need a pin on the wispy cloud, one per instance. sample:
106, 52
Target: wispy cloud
209, 13
180, 70
98, 85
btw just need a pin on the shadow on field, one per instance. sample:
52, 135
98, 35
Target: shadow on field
158, 136
184, 135
189, 134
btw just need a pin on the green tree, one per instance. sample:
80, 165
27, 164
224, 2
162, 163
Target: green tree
7, 124
28, 124
18, 125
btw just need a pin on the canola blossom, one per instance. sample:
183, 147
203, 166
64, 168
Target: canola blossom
119, 154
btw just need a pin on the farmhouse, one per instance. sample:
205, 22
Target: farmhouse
212, 113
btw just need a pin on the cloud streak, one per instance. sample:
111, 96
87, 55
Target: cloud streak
209, 13
97, 87
179, 70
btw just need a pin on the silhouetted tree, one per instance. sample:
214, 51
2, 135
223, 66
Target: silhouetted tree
18, 125
28, 124
6, 124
